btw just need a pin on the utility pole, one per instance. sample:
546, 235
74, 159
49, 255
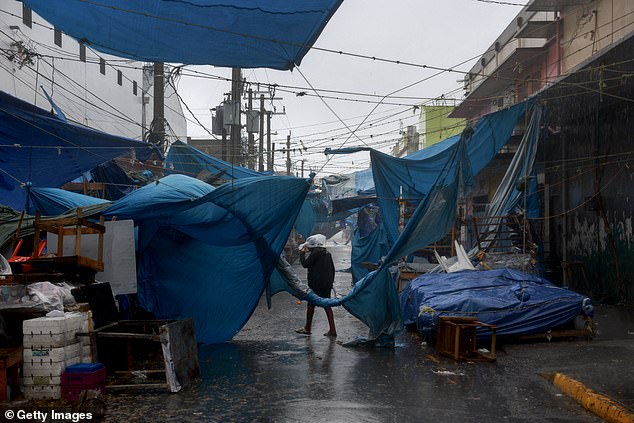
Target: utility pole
303, 168
261, 144
273, 157
159, 106
224, 144
251, 149
269, 153
288, 155
236, 81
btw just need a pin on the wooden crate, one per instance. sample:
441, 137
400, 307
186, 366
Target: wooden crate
456, 338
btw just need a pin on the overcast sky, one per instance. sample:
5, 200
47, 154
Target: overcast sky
440, 33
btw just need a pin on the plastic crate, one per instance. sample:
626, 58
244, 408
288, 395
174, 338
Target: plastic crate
84, 368
72, 393
84, 378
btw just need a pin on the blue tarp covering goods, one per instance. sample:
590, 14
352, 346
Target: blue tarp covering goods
240, 33
38, 149
515, 302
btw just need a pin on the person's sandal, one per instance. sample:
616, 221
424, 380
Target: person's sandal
302, 331
334, 335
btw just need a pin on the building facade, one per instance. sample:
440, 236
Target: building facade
577, 59
97, 90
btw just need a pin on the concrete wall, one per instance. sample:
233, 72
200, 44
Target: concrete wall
590, 28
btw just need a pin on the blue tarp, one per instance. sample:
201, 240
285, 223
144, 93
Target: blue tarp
117, 182
517, 303
38, 149
55, 201
236, 33
183, 158
417, 173
204, 252
369, 242
374, 299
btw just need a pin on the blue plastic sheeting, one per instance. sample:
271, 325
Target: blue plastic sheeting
417, 173
515, 302
117, 182
370, 248
369, 241
306, 219
374, 299
41, 150
237, 33
207, 253
183, 158
55, 201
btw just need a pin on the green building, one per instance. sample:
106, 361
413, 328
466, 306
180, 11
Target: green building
436, 126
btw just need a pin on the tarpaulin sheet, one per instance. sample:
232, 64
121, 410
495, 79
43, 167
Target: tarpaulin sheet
183, 158
55, 201
517, 303
236, 33
38, 149
369, 242
507, 198
207, 253
374, 299
116, 181
416, 174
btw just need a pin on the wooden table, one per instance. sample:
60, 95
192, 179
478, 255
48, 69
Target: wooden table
10, 359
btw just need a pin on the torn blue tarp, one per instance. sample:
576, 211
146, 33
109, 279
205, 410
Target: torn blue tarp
374, 299
117, 183
38, 149
185, 159
236, 33
415, 174
306, 219
369, 242
207, 253
55, 201
517, 303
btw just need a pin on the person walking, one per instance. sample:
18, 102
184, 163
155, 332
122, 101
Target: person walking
321, 276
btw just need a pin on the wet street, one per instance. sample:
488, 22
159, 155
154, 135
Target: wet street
268, 373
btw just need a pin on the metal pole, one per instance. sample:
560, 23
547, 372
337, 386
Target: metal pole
288, 155
303, 168
251, 150
261, 144
159, 105
272, 157
269, 153
235, 127
224, 144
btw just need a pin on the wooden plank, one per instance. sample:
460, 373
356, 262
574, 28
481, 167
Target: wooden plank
139, 385
124, 335
128, 372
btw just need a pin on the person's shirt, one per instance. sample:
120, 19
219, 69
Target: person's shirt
321, 269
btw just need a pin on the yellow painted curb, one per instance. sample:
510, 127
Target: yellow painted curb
602, 406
